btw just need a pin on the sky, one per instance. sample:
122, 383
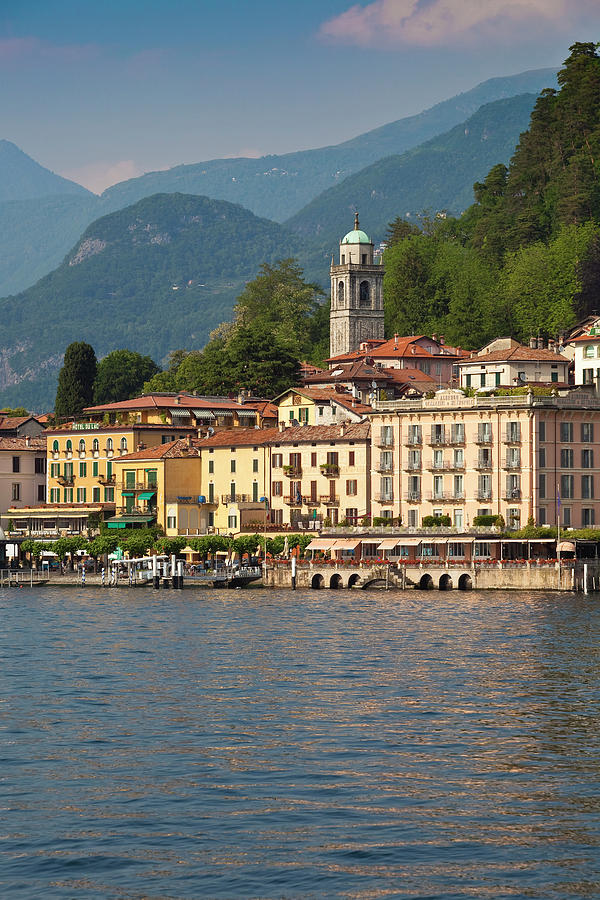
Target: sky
103, 90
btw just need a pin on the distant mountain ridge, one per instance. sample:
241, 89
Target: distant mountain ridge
22, 178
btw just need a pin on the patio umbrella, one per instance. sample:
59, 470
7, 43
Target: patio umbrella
286, 547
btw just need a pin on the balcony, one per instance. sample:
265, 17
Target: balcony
414, 466
330, 470
386, 497
328, 500
445, 496
513, 494
412, 496
106, 480
483, 464
485, 438
65, 480
414, 440
235, 498
292, 471
296, 500
438, 440
512, 437
385, 441
194, 501
445, 466
511, 464
483, 494
456, 440
137, 486
385, 468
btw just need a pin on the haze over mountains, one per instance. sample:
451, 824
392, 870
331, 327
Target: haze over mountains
162, 273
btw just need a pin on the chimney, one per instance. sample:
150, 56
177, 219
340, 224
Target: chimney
551, 345
188, 438
342, 429
434, 336
27, 440
442, 339
177, 400
532, 343
395, 342
281, 425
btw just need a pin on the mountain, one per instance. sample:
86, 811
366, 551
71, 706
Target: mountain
42, 215
155, 276
436, 176
22, 178
278, 186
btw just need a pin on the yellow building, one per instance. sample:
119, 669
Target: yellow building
319, 406
181, 409
159, 484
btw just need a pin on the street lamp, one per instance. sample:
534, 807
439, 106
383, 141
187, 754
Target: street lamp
265, 500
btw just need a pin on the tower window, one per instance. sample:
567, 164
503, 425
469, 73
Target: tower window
343, 259
364, 294
340, 293
364, 259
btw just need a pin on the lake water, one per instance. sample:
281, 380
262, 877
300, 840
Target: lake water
254, 744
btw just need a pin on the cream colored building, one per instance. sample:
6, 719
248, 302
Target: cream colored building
22, 473
319, 406
505, 362
468, 456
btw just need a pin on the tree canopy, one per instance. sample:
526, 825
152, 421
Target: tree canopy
121, 375
75, 381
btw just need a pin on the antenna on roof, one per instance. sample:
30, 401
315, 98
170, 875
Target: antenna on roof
356, 221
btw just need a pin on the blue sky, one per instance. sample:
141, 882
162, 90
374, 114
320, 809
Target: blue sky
102, 91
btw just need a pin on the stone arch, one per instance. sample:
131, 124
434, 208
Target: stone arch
465, 582
364, 294
340, 293
426, 583
354, 579
445, 582
335, 581
317, 582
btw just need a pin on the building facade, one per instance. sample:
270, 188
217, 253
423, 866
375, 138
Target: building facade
22, 473
356, 294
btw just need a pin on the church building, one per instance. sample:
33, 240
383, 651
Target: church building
356, 294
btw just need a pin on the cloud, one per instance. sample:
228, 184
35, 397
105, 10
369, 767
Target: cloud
429, 23
98, 176
19, 50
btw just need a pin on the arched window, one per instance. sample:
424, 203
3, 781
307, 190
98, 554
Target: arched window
95, 445
340, 293
123, 443
589, 351
69, 446
109, 445
82, 446
364, 297
55, 446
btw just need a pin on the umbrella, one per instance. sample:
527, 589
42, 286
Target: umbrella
286, 547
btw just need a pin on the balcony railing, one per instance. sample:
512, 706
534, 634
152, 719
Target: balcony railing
483, 494
414, 440
444, 496
65, 479
512, 494
512, 437
511, 464
328, 500
414, 466
456, 439
107, 480
384, 467
445, 466
330, 470
484, 438
296, 500
137, 486
235, 498
292, 471
483, 464
413, 496
438, 440
385, 497
386, 441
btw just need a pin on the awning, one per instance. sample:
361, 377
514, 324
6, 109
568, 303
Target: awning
126, 493
389, 543
523, 540
348, 544
180, 413
203, 414
122, 521
407, 541
146, 495
566, 547
224, 412
320, 544
248, 413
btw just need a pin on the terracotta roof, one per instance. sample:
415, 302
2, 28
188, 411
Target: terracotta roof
172, 450
36, 444
516, 353
95, 428
353, 405
162, 401
246, 437
411, 376
265, 408
584, 337
11, 422
60, 508
400, 347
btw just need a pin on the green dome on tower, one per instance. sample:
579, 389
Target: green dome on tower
356, 236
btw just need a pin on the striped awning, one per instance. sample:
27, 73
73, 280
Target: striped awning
321, 544
389, 543
247, 413
347, 544
180, 413
203, 414
224, 412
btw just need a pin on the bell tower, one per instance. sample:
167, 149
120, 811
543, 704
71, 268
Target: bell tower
356, 294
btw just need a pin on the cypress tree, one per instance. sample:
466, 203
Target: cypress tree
75, 381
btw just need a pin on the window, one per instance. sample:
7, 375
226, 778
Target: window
497, 378
522, 376
587, 517
482, 379
458, 486
54, 470
386, 490
255, 465
232, 521
151, 477
514, 518
567, 483
69, 446
364, 294
277, 488
566, 458
513, 432
55, 446
321, 410
438, 487
95, 446
352, 487
587, 433
588, 376
41, 492
343, 259
566, 516
277, 460
363, 259
81, 495
542, 457
352, 515
109, 445
67, 495
96, 494
553, 375
566, 432
587, 458
541, 520
109, 495
483, 549
456, 548
171, 521
211, 466
232, 466
589, 351
587, 487
414, 434
82, 470
123, 445
16, 492
340, 293
413, 518
484, 432
542, 485
16, 463
457, 433
542, 431
211, 492
82, 446
255, 491
484, 489
467, 381
351, 459
109, 471
414, 459
54, 495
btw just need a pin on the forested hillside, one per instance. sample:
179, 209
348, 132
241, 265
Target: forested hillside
436, 176
525, 257
155, 276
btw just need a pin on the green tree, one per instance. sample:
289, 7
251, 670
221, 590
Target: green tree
75, 381
121, 375
169, 545
246, 543
17, 411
